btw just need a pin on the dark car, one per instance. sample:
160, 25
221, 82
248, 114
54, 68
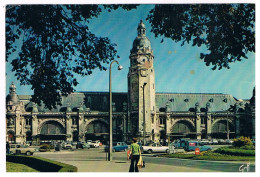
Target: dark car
82, 145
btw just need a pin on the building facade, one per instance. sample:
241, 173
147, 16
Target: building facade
141, 112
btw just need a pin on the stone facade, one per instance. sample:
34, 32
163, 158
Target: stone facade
141, 112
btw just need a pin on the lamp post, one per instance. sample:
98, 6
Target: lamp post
144, 126
110, 110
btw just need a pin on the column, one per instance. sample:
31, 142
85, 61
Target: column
81, 127
68, 127
209, 126
198, 128
35, 126
237, 126
168, 128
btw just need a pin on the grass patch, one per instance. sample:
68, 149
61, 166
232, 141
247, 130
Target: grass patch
245, 153
16, 167
212, 156
41, 164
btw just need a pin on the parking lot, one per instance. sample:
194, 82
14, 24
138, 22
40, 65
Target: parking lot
95, 160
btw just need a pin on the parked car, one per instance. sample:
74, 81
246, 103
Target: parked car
23, 149
95, 144
89, 142
229, 141
192, 145
155, 147
67, 145
204, 142
221, 141
74, 143
214, 141
82, 145
117, 146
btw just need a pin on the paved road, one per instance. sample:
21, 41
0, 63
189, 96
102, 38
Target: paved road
94, 160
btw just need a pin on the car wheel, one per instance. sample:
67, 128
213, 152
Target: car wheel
167, 150
114, 150
28, 153
149, 151
124, 149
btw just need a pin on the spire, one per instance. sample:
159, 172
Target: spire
12, 89
12, 96
141, 29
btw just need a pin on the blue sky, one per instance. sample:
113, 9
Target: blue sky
177, 69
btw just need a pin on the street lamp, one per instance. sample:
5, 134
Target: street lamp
144, 126
110, 110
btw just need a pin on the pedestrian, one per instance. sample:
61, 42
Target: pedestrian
7, 148
135, 155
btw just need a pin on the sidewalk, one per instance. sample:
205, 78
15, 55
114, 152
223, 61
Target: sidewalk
123, 166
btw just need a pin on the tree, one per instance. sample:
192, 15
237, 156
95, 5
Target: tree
55, 45
227, 30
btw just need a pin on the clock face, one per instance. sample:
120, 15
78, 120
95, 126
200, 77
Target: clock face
141, 60
147, 64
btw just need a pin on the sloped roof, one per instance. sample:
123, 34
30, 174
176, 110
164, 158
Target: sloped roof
187, 101
96, 101
99, 101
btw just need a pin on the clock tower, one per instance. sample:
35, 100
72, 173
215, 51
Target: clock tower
141, 86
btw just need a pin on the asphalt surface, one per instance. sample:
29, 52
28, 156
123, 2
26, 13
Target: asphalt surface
94, 160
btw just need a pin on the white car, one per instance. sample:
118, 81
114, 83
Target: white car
23, 149
155, 147
95, 144
214, 141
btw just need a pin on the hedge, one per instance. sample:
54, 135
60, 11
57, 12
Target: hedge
236, 152
41, 164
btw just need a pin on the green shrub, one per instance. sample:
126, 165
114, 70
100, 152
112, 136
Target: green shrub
41, 164
248, 147
242, 141
235, 152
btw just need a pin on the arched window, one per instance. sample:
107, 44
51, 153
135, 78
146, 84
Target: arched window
182, 127
52, 128
97, 127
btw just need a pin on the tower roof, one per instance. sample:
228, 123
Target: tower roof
141, 41
12, 94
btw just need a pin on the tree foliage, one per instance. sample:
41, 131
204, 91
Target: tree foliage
54, 44
227, 30
242, 141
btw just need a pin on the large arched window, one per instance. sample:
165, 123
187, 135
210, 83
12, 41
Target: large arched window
221, 127
97, 127
182, 127
52, 128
